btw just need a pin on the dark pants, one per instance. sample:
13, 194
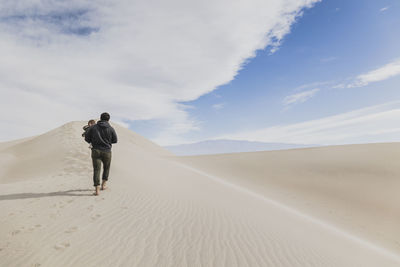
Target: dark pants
98, 157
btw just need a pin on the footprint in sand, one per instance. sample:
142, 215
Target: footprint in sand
71, 230
61, 246
15, 232
95, 217
31, 229
61, 205
99, 199
4, 246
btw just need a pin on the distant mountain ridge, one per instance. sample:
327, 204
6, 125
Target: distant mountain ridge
221, 146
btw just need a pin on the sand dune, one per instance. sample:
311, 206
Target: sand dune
162, 210
354, 187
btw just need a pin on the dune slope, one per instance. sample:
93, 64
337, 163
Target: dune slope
354, 187
158, 211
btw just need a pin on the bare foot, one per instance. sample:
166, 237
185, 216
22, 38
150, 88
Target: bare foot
96, 193
103, 186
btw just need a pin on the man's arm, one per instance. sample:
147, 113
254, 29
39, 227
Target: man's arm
114, 138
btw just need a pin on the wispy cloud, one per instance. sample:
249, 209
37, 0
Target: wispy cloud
300, 97
382, 73
378, 123
69, 60
384, 8
304, 92
218, 106
328, 59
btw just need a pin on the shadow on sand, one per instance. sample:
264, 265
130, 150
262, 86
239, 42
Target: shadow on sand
51, 194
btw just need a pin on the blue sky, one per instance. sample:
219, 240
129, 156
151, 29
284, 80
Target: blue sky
287, 71
331, 43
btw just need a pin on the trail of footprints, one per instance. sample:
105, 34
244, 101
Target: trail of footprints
28, 230
78, 159
55, 214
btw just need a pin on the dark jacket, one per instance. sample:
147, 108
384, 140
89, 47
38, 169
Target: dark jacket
85, 128
101, 135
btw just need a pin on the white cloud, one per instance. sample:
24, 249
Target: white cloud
384, 8
328, 59
218, 106
378, 123
385, 72
300, 97
382, 73
68, 60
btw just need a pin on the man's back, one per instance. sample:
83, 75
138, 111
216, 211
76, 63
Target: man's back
101, 136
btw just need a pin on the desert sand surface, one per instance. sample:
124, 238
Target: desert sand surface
353, 187
247, 209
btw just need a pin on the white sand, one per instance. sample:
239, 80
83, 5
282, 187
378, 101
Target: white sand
354, 187
162, 210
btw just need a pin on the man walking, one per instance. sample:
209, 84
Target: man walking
101, 136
